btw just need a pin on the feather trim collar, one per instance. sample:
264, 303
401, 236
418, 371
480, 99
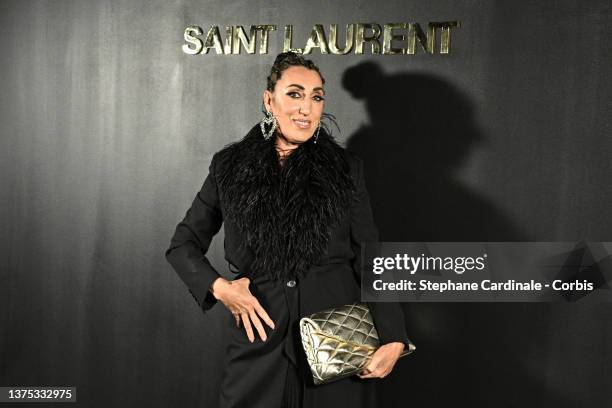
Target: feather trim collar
285, 213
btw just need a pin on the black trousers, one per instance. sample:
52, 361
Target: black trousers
260, 374
292, 397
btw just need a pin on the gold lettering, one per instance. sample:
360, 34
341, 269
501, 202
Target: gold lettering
316, 39
361, 37
265, 29
356, 37
189, 34
445, 38
213, 39
426, 41
288, 43
229, 37
333, 39
240, 37
388, 37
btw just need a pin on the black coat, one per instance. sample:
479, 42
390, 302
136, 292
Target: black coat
321, 268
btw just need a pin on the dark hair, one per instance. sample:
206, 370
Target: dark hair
285, 60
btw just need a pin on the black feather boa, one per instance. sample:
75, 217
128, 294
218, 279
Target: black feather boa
285, 213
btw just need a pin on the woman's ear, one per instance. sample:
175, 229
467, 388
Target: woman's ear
266, 100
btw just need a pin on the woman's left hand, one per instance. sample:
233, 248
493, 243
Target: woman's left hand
382, 361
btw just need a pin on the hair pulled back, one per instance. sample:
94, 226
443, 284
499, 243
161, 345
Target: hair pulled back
285, 60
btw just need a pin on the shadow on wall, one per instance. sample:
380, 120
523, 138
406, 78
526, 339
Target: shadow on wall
421, 131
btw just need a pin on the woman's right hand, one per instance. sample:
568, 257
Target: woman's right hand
237, 298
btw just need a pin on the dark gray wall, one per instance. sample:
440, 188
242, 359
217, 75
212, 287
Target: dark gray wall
108, 130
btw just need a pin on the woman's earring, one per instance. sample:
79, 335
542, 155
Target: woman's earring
268, 120
317, 135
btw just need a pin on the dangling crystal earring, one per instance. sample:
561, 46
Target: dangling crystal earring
268, 120
317, 135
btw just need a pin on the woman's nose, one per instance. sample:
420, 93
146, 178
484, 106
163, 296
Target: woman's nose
304, 107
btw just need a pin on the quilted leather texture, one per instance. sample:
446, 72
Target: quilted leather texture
339, 341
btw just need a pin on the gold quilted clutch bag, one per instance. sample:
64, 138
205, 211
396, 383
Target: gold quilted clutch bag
338, 342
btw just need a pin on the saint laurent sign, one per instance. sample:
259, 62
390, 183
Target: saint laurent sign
358, 36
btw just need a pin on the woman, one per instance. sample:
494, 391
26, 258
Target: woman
295, 213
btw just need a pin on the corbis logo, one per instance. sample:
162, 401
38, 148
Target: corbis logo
390, 39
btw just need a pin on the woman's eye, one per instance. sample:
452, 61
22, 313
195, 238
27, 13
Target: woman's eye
294, 93
319, 98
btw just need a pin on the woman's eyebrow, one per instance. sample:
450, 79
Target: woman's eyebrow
318, 88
